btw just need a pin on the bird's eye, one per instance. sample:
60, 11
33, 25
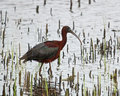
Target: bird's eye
68, 29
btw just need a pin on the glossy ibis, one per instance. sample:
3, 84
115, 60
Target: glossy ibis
48, 51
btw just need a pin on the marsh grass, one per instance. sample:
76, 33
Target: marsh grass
99, 85
104, 55
89, 1
71, 4
59, 61
12, 56
67, 92
3, 92
37, 9
46, 87
15, 88
84, 88
79, 3
31, 85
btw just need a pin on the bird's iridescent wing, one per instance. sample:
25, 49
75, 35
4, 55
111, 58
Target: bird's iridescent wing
40, 52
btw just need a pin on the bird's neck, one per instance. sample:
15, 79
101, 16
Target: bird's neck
63, 41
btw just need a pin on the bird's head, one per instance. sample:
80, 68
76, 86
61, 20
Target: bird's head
67, 29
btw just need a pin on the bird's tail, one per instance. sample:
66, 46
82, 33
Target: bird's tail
25, 57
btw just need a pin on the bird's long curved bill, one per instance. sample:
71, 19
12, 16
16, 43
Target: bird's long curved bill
75, 36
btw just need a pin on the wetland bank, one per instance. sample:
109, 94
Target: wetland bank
92, 69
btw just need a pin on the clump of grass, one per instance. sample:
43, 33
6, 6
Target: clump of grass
4, 60
59, 61
60, 80
8, 59
17, 61
51, 12
84, 88
31, 85
46, 87
3, 38
89, 1
99, 85
44, 2
14, 88
115, 81
3, 34
71, 4
20, 78
0, 23
77, 85
113, 78
67, 48
104, 48
70, 78
94, 92
29, 46
73, 25
74, 59
27, 81
91, 50
12, 56
104, 33
59, 24
46, 30
37, 9
63, 55
21, 92
114, 52
108, 24
79, 3
3, 93
67, 92
58, 31
19, 50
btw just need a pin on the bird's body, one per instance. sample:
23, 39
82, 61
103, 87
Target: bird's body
44, 52
48, 51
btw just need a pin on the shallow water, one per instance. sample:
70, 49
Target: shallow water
23, 25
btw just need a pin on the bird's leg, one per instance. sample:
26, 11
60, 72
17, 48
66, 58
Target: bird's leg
40, 69
49, 70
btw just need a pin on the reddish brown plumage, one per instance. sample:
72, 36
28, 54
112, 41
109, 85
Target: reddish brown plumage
48, 51
53, 44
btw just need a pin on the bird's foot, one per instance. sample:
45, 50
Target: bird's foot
50, 72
